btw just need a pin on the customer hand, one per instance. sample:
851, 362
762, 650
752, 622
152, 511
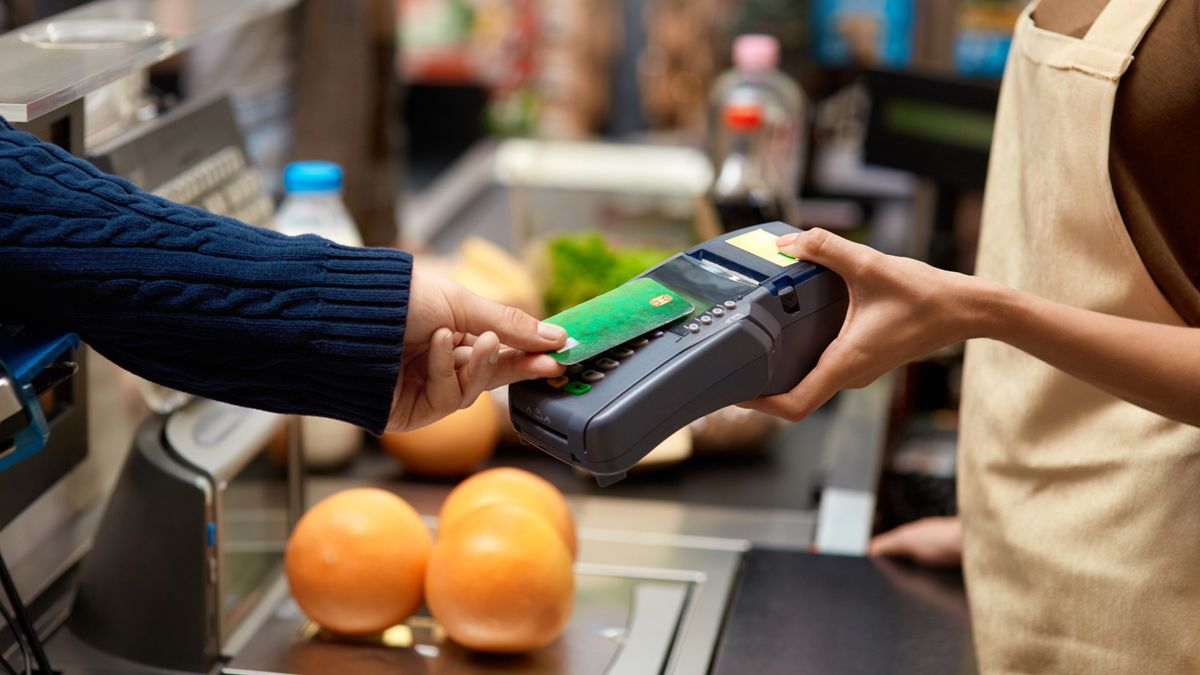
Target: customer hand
900, 309
933, 542
457, 344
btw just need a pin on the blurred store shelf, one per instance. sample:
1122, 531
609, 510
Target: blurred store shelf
48, 64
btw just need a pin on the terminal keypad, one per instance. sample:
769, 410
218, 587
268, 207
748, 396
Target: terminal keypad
579, 378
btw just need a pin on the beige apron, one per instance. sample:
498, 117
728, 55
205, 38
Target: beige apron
1081, 512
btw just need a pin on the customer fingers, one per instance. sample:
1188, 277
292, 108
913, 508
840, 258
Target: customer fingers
515, 328
442, 389
515, 366
478, 372
461, 356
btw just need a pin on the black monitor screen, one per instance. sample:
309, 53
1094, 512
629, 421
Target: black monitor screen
937, 127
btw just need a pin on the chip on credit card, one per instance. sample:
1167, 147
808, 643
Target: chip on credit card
616, 317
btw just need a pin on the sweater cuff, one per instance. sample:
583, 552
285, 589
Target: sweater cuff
363, 312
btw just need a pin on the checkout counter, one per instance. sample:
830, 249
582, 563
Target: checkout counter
153, 544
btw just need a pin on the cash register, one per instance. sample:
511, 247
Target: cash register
38, 396
193, 530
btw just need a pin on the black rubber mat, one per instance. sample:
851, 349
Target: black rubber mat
799, 613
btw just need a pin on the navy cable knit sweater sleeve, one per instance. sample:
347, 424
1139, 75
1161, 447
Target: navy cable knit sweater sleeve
198, 302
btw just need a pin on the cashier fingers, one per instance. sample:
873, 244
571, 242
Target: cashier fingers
900, 309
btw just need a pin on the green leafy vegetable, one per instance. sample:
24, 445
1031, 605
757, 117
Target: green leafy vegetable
584, 266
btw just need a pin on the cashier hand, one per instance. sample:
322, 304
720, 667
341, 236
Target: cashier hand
457, 344
931, 542
899, 311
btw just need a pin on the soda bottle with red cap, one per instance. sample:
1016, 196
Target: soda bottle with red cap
742, 193
780, 131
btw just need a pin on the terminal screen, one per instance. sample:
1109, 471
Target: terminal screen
701, 284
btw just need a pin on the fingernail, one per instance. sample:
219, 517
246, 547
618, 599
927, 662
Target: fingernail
551, 332
787, 240
494, 358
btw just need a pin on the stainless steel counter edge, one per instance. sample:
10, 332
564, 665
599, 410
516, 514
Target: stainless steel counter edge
653, 521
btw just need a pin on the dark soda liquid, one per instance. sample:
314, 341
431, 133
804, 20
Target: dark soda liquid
739, 214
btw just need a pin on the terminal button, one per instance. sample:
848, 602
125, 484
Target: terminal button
607, 364
706, 319
558, 382
637, 342
787, 298
577, 388
574, 368
718, 311
729, 304
621, 352
693, 328
591, 376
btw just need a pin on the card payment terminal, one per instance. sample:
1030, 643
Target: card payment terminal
760, 323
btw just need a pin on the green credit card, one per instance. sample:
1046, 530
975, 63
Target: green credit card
616, 317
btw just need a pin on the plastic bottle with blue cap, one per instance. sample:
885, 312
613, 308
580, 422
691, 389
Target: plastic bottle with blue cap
314, 206
314, 203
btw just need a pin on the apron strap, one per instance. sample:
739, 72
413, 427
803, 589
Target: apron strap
1122, 24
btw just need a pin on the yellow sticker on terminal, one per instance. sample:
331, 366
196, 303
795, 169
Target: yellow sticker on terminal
762, 244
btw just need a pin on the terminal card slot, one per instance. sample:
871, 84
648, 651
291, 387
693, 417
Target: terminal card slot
537, 433
726, 272
707, 256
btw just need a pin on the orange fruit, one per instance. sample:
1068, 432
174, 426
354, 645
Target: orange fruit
277, 446
451, 446
512, 486
356, 561
501, 580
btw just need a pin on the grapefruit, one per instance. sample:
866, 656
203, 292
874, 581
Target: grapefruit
451, 446
501, 580
510, 486
356, 561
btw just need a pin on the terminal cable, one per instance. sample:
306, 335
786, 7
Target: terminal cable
24, 625
20, 638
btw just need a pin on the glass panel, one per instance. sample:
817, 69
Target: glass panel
108, 40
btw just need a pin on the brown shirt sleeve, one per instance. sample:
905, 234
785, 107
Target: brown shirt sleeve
1154, 153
